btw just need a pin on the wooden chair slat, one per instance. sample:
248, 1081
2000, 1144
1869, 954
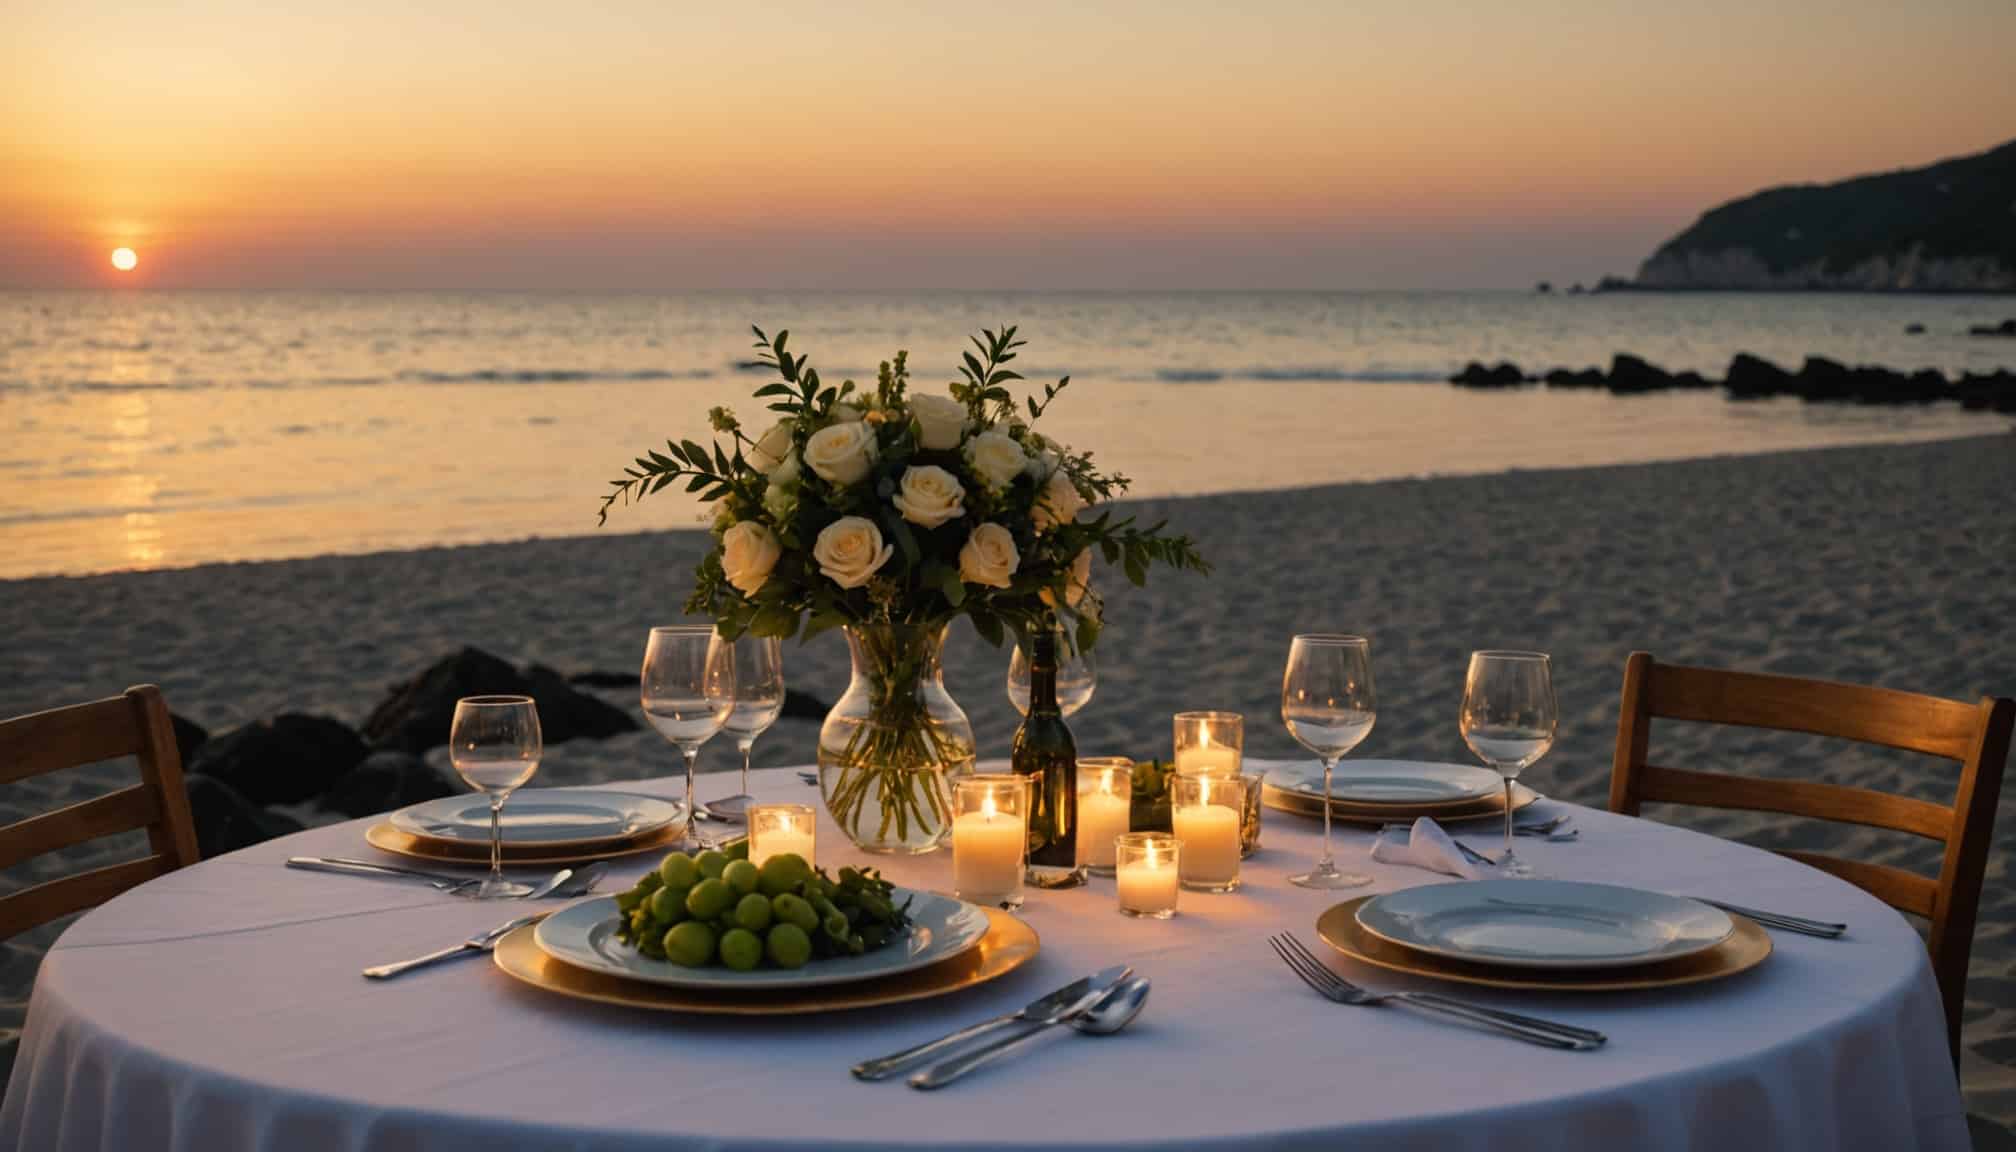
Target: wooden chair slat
1796, 798
1904, 891
67, 737
1790, 704
126, 810
20, 911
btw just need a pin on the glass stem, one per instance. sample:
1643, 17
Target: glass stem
496, 841
692, 801
1508, 819
748, 747
1327, 864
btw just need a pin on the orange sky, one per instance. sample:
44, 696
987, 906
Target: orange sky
668, 146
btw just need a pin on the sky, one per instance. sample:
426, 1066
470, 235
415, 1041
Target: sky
640, 147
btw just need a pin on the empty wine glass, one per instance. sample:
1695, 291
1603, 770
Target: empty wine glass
688, 688
1077, 676
759, 700
494, 743
1328, 704
1508, 720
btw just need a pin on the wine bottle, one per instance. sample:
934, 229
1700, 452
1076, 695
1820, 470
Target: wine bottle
1044, 751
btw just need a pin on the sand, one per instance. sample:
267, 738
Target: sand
1886, 565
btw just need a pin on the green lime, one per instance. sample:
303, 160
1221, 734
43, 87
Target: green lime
789, 946
741, 949
753, 912
708, 899
711, 864
668, 905
690, 945
783, 874
678, 871
794, 910
741, 876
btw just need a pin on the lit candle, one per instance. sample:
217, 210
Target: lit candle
1105, 808
1207, 759
987, 848
1147, 872
1209, 743
1209, 831
780, 829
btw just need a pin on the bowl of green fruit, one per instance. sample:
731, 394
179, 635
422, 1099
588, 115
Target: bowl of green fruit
712, 921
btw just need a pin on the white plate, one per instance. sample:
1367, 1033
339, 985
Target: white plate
546, 817
1545, 923
584, 935
1390, 782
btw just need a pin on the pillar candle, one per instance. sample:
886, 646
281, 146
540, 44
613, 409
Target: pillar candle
987, 854
1148, 885
1210, 836
1101, 817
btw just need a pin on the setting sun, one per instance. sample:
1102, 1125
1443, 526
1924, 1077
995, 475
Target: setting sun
124, 259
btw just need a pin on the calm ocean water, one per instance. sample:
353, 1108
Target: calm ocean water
150, 430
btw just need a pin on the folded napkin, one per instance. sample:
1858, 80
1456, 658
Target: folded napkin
1426, 846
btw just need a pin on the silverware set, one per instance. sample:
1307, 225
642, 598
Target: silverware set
1826, 929
564, 884
1098, 1005
474, 946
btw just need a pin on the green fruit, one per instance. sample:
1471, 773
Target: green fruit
626, 902
753, 912
708, 899
795, 911
678, 871
648, 883
835, 925
741, 949
711, 864
783, 874
741, 876
737, 849
690, 945
788, 946
668, 905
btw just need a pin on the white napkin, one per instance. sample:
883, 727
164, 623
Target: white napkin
1426, 846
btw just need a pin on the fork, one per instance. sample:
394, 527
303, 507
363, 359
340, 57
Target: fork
1335, 988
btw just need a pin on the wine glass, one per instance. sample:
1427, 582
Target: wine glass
494, 743
1328, 704
1077, 676
688, 688
759, 700
1508, 720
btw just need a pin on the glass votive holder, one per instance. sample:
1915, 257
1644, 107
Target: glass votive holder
1147, 866
1206, 813
1105, 807
1213, 742
990, 837
1249, 818
781, 829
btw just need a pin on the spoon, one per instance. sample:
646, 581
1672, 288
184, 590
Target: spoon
729, 808
583, 881
1107, 1015
552, 882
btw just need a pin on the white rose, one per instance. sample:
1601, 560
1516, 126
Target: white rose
771, 448
929, 496
995, 458
780, 498
748, 552
850, 550
1058, 503
1080, 580
851, 410
989, 557
941, 422
841, 453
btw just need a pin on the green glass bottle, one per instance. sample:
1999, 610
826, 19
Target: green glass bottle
1045, 752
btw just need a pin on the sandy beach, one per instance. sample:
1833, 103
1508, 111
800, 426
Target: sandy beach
1886, 565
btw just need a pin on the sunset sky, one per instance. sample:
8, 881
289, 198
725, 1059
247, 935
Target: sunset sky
653, 146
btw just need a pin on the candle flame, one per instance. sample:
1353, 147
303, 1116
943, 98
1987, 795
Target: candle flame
987, 811
1204, 789
1106, 781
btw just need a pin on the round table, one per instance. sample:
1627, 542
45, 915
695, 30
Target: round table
220, 1009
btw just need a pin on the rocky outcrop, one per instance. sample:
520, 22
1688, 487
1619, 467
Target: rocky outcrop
386, 780
287, 759
416, 716
1476, 375
226, 821
1818, 381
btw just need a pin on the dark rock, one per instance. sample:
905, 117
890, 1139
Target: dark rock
1691, 380
1928, 385
1630, 375
1870, 385
1564, 378
417, 714
1822, 381
1751, 378
803, 706
1987, 391
1543, 288
285, 760
1576, 289
189, 736
2000, 1049
2005, 328
226, 821
386, 780
1914, 329
1475, 375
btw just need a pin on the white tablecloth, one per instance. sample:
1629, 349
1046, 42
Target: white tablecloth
220, 1009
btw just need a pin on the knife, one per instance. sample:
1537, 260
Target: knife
1042, 1010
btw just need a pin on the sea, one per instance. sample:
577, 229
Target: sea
144, 430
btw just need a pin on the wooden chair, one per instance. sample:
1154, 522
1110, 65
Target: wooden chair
133, 724
1975, 735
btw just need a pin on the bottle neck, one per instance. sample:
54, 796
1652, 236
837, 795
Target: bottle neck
1043, 672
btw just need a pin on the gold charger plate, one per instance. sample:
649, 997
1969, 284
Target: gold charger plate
1745, 948
1008, 944
384, 837
1379, 815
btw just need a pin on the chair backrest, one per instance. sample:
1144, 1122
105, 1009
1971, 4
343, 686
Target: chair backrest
1975, 735
133, 724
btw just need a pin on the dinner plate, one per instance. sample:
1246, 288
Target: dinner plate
542, 817
1410, 782
1545, 924
1748, 946
1378, 815
584, 935
384, 837
1008, 944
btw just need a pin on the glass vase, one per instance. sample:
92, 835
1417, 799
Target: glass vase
892, 743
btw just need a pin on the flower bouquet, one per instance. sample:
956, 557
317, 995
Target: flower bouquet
887, 513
